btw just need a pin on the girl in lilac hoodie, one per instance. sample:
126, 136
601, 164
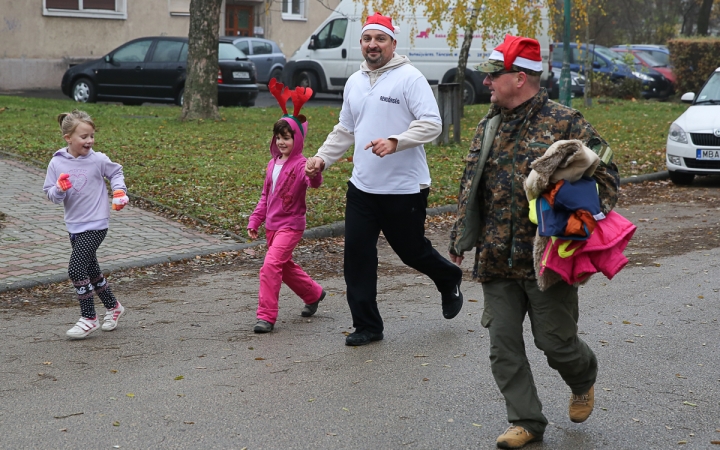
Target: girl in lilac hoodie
282, 209
76, 178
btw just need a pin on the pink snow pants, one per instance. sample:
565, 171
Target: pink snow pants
278, 268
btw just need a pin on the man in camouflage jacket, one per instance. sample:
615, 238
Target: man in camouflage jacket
493, 218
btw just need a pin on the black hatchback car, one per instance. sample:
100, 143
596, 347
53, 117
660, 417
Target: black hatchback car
153, 69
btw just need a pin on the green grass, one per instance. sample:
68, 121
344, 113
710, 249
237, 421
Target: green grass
214, 170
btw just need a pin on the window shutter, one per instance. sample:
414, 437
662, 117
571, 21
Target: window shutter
99, 4
62, 4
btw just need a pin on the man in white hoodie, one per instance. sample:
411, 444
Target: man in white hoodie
388, 113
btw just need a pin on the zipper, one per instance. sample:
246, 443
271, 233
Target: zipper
513, 203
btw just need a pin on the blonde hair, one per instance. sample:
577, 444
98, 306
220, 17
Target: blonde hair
69, 121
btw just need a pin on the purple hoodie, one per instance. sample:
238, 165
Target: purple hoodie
87, 205
285, 207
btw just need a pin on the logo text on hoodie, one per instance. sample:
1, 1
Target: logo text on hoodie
390, 100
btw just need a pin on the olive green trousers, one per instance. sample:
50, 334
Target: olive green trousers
553, 319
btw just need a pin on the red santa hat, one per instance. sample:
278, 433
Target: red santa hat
379, 22
516, 51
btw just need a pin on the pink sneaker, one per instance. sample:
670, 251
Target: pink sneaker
83, 327
111, 317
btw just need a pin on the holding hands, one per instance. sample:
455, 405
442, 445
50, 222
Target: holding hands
314, 166
63, 183
120, 199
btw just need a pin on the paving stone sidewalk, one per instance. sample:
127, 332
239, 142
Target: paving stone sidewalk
34, 244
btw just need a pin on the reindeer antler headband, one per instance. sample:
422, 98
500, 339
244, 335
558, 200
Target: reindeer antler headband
300, 95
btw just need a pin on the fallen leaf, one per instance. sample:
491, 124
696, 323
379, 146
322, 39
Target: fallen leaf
472, 300
682, 442
368, 361
426, 379
630, 341
189, 423
477, 425
689, 404
345, 409
679, 376
179, 377
116, 424
47, 363
331, 434
113, 371
420, 356
636, 420
627, 322
62, 429
259, 358
424, 364
607, 389
669, 428
715, 442
311, 400
130, 394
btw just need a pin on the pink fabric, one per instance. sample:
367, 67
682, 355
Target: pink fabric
602, 252
278, 268
285, 206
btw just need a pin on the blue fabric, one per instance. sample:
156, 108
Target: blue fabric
571, 197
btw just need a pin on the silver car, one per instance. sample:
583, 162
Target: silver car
266, 54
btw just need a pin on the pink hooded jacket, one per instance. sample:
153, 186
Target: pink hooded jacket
285, 207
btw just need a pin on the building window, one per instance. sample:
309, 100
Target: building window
293, 9
91, 9
179, 7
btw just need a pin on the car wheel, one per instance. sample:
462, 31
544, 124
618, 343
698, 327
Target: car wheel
83, 91
468, 94
307, 78
682, 178
180, 97
277, 74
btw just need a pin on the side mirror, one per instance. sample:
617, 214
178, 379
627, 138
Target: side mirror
687, 97
311, 45
596, 65
108, 59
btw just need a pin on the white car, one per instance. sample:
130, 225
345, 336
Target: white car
693, 143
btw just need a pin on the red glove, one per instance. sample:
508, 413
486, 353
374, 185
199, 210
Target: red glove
120, 199
63, 183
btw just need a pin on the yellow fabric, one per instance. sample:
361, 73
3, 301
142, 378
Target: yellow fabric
533, 211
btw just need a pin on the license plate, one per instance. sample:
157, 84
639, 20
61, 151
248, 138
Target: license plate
708, 154
241, 75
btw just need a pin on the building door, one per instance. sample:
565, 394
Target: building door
239, 20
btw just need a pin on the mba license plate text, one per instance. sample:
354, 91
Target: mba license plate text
708, 154
241, 75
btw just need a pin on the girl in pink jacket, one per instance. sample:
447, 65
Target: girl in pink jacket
282, 209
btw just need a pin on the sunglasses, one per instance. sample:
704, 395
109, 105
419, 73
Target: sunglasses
495, 75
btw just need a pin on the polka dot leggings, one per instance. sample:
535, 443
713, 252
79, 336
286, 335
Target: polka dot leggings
85, 273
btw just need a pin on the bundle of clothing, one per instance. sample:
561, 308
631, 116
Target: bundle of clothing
574, 239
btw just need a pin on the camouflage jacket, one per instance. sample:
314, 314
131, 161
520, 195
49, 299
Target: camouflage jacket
495, 219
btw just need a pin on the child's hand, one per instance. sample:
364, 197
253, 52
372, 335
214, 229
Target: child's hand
252, 233
120, 199
63, 183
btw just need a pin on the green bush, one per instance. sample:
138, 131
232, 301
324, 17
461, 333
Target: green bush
627, 88
694, 59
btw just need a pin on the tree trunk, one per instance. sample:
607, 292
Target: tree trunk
464, 52
200, 100
704, 17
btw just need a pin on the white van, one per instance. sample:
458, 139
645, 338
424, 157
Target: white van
332, 53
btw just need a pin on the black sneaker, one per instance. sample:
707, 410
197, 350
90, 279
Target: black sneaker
310, 309
452, 302
263, 327
362, 338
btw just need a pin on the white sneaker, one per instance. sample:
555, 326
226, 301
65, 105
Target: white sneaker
111, 317
83, 327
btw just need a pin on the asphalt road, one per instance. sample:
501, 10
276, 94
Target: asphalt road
185, 370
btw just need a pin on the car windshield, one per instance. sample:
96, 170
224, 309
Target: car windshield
612, 55
229, 51
711, 92
649, 59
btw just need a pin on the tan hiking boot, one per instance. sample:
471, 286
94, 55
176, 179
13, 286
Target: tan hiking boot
581, 406
516, 437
